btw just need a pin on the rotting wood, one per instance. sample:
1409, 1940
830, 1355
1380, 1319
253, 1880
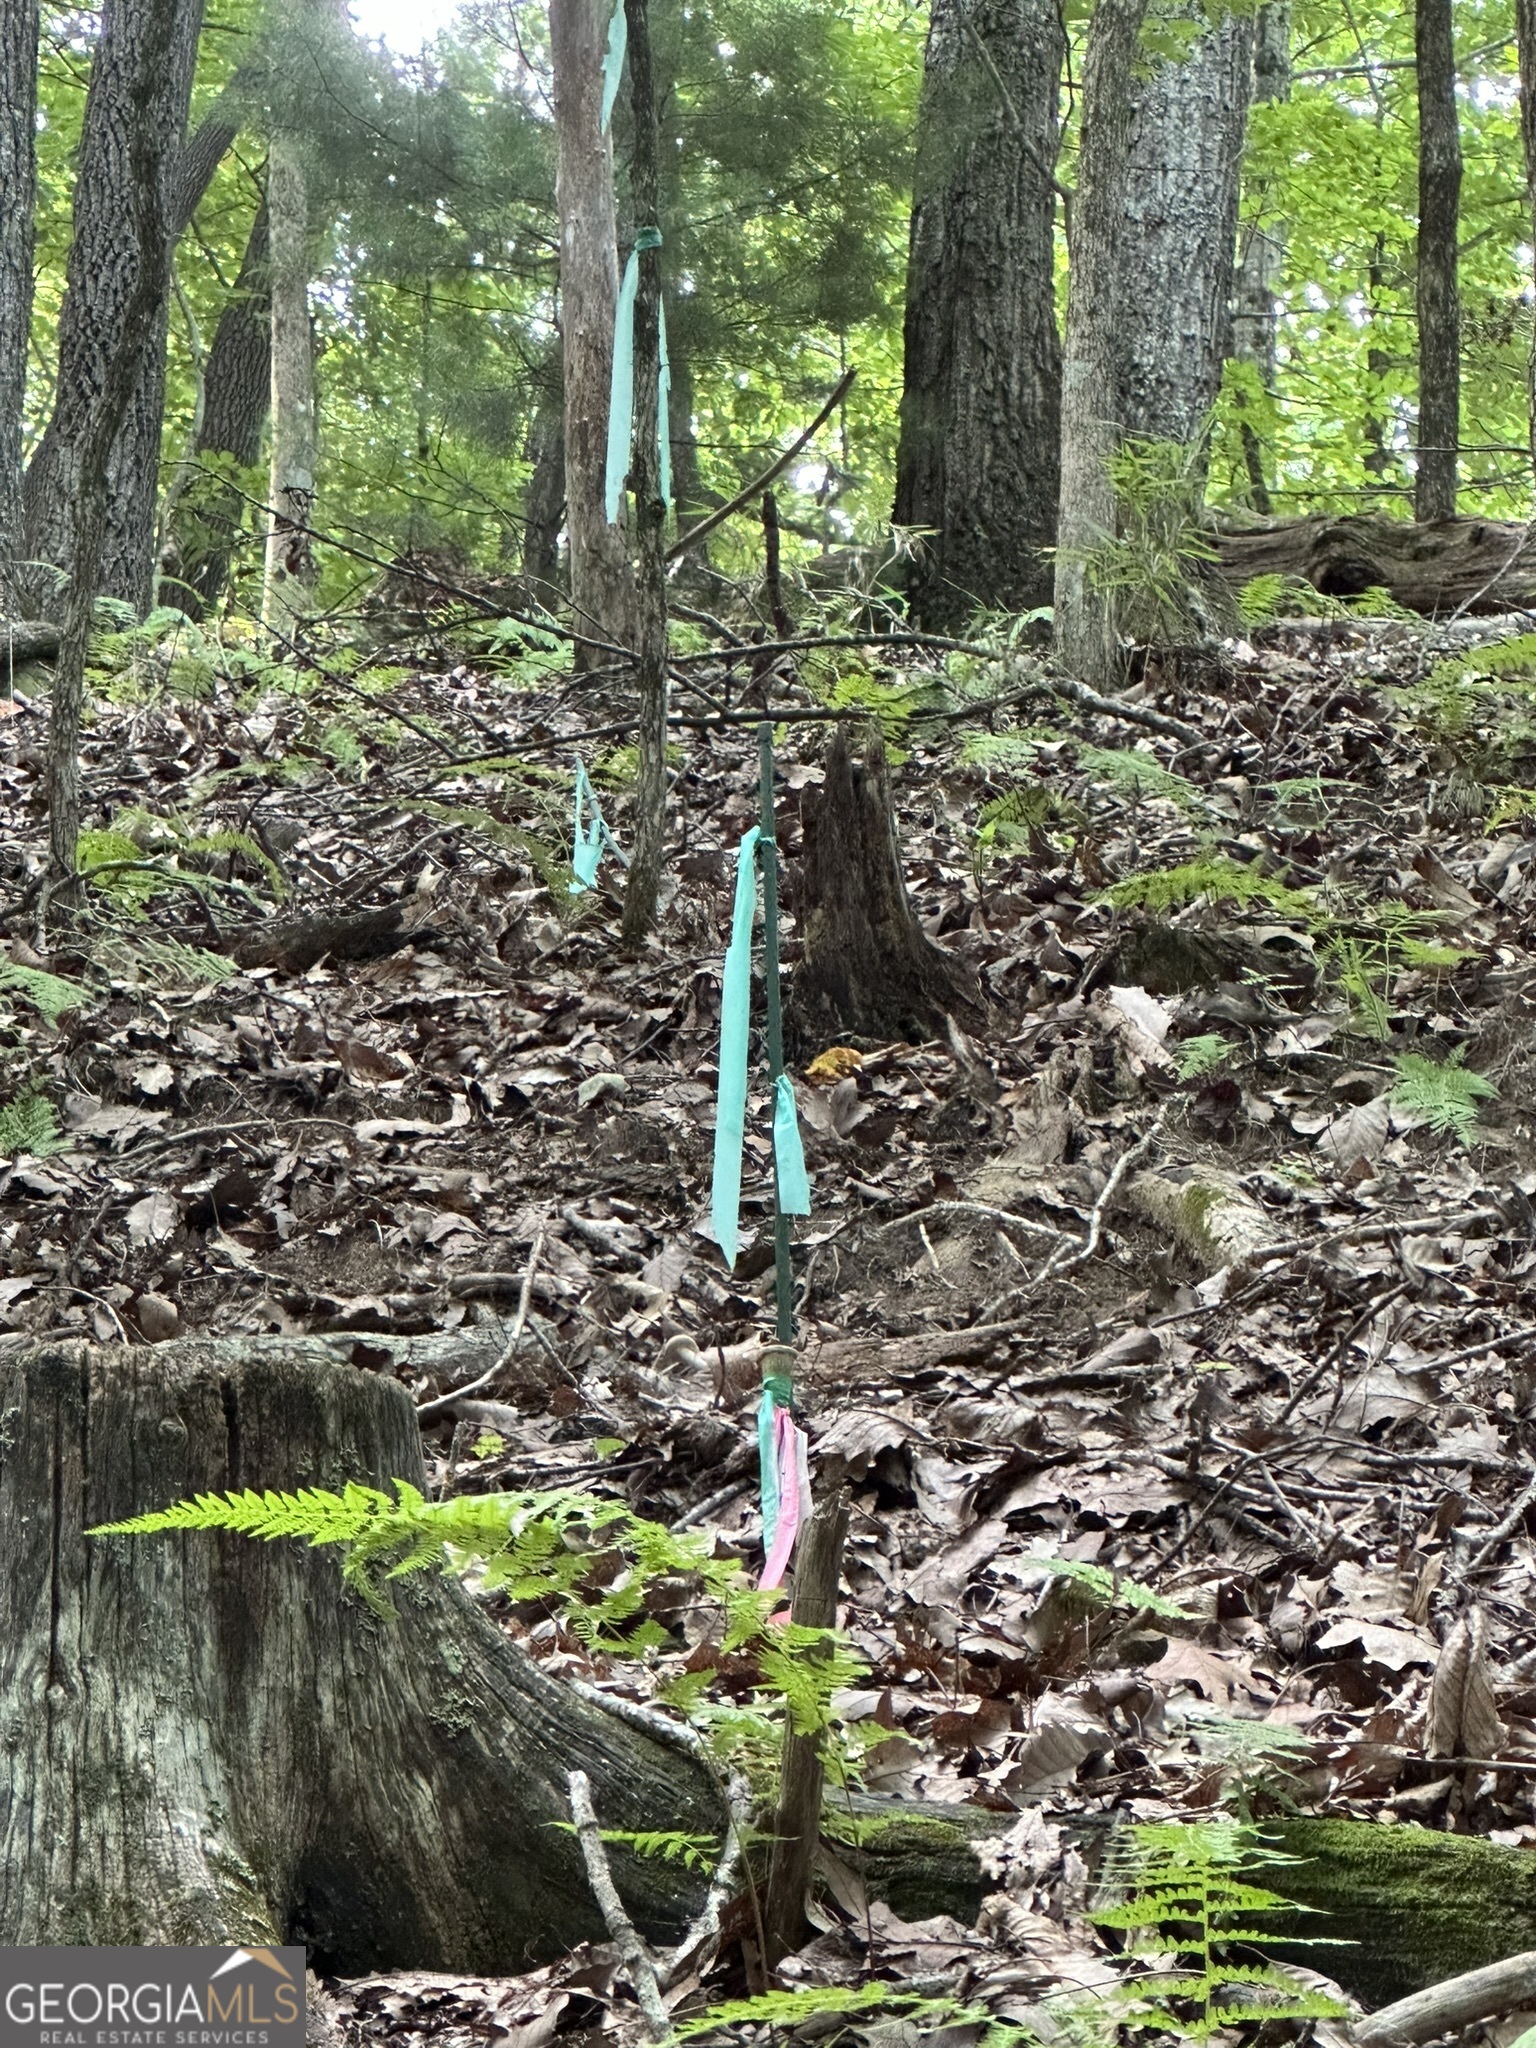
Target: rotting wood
1450, 565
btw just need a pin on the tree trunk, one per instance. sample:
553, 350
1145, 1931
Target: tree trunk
544, 498
602, 587
1256, 295
1174, 277
644, 880
102, 269
1525, 39
1439, 298
866, 969
288, 590
18, 182
138, 118
1084, 625
236, 398
978, 459
1483, 566
211, 1742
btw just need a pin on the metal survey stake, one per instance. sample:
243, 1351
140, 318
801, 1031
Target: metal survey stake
768, 856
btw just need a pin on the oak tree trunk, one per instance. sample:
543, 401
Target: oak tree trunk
18, 182
602, 586
1084, 626
978, 459
210, 516
1174, 279
867, 969
288, 590
1261, 262
1439, 297
209, 1740
101, 278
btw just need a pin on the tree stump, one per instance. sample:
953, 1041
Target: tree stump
867, 969
210, 1740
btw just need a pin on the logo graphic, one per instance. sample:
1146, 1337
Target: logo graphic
152, 1998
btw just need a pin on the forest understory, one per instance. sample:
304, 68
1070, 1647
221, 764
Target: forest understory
1186, 1268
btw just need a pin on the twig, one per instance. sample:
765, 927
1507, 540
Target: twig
1004, 1217
1063, 1261
635, 1714
1448, 2007
706, 527
164, 1140
633, 1953
427, 1409
1502, 1530
720, 1498
705, 1929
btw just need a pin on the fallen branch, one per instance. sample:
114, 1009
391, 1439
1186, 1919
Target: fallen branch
427, 1409
706, 527
633, 1953
1448, 2007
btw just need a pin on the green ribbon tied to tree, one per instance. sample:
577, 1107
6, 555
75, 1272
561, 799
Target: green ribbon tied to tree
589, 835
613, 61
621, 393
794, 1188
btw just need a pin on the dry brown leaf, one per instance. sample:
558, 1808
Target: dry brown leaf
1462, 1718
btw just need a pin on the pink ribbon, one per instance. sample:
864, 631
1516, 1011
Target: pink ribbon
793, 1468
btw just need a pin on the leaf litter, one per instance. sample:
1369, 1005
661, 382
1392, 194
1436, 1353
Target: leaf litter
1174, 1336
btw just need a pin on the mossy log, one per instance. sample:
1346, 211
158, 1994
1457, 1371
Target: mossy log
209, 1740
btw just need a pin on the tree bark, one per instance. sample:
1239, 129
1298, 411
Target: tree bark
288, 589
102, 270
602, 586
1439, 297
645, 862
867, 968
210, 1741
1256, 294
978, 460
1525, 41
236, 399
544, 499
18, 182
1174, 279
138, 118
1084, 625
1482, 566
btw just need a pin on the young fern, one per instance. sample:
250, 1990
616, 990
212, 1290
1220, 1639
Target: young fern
1444, 1093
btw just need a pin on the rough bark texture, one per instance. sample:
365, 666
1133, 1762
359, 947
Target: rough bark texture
102, 272
210, 1741
1525, 41
1439, 297
26, 640
1262, 259
978, 461
1084, 628
544, 499
236, 398
290, 569
18, 182
866, 968
602, 588
1486, 565
1174, 280
650, 812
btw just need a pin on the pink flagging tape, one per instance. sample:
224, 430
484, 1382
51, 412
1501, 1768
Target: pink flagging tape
790, 1446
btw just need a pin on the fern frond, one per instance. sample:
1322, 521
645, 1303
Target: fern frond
1443, 1092
49, 994
1109, 1589
28, 1123
1213, 876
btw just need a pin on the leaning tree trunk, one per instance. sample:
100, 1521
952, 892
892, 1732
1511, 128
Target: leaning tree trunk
1084, 623
18, 182
1174, 279
236, 398
288, 589
602, 587
1525, 39
866, 969
1256, 293
978, 461
210, 1741
1439, 297
102, 268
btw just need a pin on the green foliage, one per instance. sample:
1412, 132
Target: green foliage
1108, 1588
791, 2009
1191, 1902
1201, 1054
1485, 696
1137, 775
1213, 876
1150, 566
140, 856
1443, 1092
29, 1123
152, 960
694, 1852
49, 994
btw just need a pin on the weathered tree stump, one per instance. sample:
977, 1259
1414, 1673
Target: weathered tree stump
210, 1740
1483, 565
867, 969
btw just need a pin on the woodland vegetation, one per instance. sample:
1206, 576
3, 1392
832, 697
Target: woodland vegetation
1044, 497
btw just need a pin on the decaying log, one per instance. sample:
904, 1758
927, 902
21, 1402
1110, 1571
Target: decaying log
1485, 565
26, 640
867, 968
296, 944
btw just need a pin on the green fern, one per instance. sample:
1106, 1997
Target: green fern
695, 1852
1443, 1092
1108, 1588
1137, 775
29, 1123
1193, 1057
49, 994
155, 961
1190, 1896
1264, 600
1212, 876
791, 2009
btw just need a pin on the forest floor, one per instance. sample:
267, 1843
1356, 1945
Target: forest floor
1203, 1271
